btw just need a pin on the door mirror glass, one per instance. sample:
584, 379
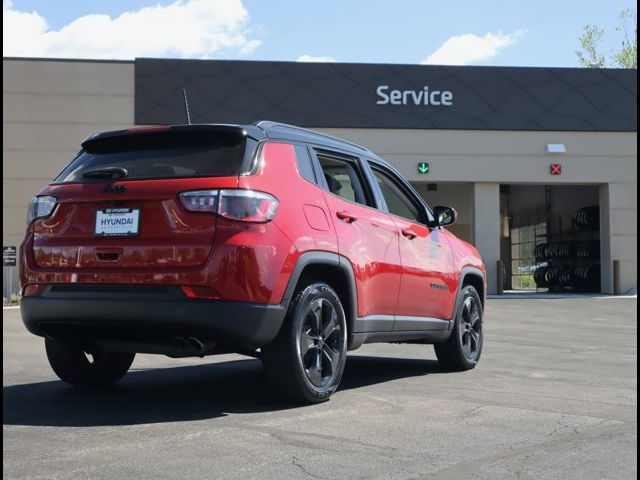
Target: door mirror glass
445, 216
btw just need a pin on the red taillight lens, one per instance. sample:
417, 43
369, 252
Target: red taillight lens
238, 205
40, 207
200, 200
202, 293
247, 206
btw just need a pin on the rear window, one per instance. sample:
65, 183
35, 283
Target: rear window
166, 155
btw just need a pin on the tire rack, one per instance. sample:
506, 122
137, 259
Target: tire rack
569, 261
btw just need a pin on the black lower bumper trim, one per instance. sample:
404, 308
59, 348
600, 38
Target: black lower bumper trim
237, 324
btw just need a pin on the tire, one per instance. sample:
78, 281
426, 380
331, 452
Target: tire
73, 365
306, 360
463, 348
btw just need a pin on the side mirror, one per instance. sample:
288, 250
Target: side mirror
445, 216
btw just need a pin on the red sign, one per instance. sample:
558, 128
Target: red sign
556, 169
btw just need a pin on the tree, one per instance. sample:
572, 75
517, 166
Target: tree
589, 56
626, 56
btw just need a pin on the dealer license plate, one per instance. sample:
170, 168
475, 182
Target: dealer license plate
117, 222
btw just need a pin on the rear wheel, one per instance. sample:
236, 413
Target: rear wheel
463, 348
305, 362
80, 367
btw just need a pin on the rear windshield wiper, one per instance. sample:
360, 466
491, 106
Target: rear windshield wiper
106, 172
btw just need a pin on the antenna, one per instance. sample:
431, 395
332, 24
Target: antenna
186, 105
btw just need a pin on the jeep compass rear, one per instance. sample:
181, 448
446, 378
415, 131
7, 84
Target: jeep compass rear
202, 239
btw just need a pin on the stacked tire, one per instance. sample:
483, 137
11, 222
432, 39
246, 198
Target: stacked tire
546, 251
588, 218
584, 278
588, 250
571, 265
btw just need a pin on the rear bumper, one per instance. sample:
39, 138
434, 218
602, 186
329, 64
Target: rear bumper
98, 311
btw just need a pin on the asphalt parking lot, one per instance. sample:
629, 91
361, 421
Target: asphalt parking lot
554, 396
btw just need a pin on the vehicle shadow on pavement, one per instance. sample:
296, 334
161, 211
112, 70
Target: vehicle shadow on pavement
180, 394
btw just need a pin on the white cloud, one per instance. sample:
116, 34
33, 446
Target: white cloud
185, 28
312, 58
469, 48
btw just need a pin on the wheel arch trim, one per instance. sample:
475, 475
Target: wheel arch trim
340, 263
468, 271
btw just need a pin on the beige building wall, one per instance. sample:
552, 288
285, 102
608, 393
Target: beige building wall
50, 106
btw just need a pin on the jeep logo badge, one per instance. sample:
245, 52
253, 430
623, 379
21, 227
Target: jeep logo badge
115, 189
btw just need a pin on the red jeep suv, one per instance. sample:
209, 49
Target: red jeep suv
267, 240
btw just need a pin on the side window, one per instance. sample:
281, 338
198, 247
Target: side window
304, 163
397, 200
344, 178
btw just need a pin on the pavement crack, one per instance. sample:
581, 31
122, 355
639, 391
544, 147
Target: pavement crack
297, 463
327, 443
527, 452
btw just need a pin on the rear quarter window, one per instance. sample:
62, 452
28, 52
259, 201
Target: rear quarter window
305, 165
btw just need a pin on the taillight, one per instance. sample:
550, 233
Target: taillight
238, 205
200, 200
247, 206
40, 207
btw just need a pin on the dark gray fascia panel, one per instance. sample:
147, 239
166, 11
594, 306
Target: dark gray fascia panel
346, 95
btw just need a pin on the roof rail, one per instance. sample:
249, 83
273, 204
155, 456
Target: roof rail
265, 124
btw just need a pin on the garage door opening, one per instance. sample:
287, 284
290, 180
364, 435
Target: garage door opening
550, 238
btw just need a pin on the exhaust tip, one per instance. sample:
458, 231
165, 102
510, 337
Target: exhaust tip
196, 345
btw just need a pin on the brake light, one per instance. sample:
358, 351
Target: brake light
40, 207
156, 128
247, 206
200, 201
239, 205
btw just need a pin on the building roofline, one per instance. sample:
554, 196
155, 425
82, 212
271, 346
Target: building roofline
470, 67
70, 60
418, 65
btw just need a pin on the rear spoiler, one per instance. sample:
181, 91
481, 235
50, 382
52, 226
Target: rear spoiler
146, 135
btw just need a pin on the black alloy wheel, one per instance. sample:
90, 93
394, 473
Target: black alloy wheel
462, 350
306, 360
321, 343
471, 329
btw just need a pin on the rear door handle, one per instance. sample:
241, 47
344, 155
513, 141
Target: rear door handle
346, 216
410, 234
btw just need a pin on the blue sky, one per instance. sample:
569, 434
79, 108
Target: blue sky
520, 33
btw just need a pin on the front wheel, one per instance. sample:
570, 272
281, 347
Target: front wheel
82, 367
306, 360
463, 348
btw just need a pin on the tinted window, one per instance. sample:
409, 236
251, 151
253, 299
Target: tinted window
304, 163
162, 156
397, 200
344, 178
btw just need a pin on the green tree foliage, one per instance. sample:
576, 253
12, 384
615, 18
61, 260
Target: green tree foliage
589, 56
626, 56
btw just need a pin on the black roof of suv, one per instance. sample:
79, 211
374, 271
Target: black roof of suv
260, 130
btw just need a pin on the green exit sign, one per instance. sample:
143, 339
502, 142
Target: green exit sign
423, 168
